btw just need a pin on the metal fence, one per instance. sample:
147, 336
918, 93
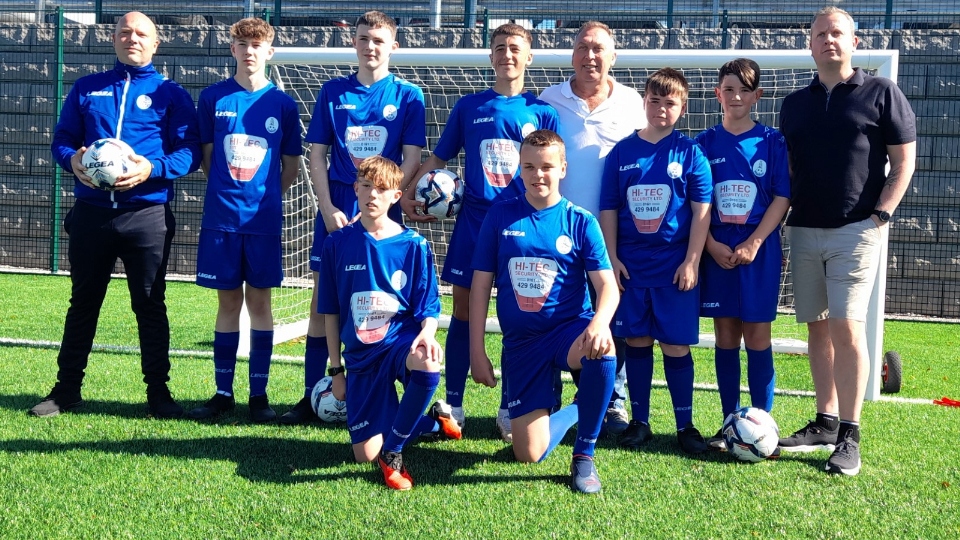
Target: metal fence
539, 14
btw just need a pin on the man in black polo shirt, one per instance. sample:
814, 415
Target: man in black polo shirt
841, 131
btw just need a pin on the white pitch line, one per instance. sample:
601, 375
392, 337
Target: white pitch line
297, 359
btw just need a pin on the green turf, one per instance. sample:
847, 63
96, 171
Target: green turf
109, 471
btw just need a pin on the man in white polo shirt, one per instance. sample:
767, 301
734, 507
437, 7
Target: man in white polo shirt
596, 112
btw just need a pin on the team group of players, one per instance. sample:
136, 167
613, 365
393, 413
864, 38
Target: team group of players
569, 279
575, 280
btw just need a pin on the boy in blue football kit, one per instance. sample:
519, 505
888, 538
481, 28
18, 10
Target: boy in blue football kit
250, 136
489, 126
378, 293
740, 279
369, 113
540, 249
654, 212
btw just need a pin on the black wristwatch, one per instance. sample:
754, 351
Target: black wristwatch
334, 371
882, 214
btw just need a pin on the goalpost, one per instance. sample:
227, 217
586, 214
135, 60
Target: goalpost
445, 75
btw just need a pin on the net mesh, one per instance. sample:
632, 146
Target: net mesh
444, 85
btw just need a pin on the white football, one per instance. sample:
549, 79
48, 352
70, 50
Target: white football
751, 434
325, 406
441, 193
105, 160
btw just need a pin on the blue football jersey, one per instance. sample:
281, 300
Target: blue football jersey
489, 127
382, 290
358, 121
249, 131
749, 170
651, 187
540, 260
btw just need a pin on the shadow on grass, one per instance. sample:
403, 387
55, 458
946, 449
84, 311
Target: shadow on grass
285, 458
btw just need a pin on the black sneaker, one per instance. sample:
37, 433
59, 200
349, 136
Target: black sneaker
583, 475
690, 440
260, 411
717, 443
810, 438
636, 434
214, 406
161, 403
301, 413
845, 458
58, 401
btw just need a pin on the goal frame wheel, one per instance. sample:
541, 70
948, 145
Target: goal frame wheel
892, 373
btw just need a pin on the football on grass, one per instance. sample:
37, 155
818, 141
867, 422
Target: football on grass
751, 434
105, 160
441, 193
325, 405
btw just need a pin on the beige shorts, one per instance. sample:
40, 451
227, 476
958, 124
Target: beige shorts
834, 270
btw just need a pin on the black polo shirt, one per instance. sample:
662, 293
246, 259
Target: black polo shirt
837, 145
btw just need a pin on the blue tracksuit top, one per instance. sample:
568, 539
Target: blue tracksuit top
141, 107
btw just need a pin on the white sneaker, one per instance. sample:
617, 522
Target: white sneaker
457, 414
503, 424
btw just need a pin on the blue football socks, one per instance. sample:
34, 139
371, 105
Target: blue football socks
727, 362
761, 378
314, 363
416, 397
457, 358
560, 423
225, 345
261, 349
639, 365
596, 385
678, 371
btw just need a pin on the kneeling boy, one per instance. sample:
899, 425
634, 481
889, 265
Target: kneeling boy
378, 293
542, 247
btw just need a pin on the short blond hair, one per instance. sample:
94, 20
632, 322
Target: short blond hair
511, 29
381, 172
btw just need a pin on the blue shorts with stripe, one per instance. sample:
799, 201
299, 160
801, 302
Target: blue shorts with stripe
458, 264
344, 198
666, 314
749, 292
528, 369
372, 401
227, 260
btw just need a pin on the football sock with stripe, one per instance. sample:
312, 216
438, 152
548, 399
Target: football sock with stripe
592, 400
225, 345
314, 362
560, 423
851, 427
727, 362
261, 349
416, 397
457, 355
761, 378
678, 371
639, 364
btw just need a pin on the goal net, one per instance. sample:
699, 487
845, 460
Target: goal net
445, 75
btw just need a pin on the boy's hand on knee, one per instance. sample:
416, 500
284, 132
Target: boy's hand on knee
595, 341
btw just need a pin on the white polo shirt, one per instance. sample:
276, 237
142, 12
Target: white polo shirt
589, 136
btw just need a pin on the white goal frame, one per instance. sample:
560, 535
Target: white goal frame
884, 62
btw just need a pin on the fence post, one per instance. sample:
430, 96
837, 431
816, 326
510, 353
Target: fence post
57, 172
669, 13
888, 17
725, 27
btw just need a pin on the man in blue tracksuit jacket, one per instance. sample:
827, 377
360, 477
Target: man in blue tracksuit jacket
157, 118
